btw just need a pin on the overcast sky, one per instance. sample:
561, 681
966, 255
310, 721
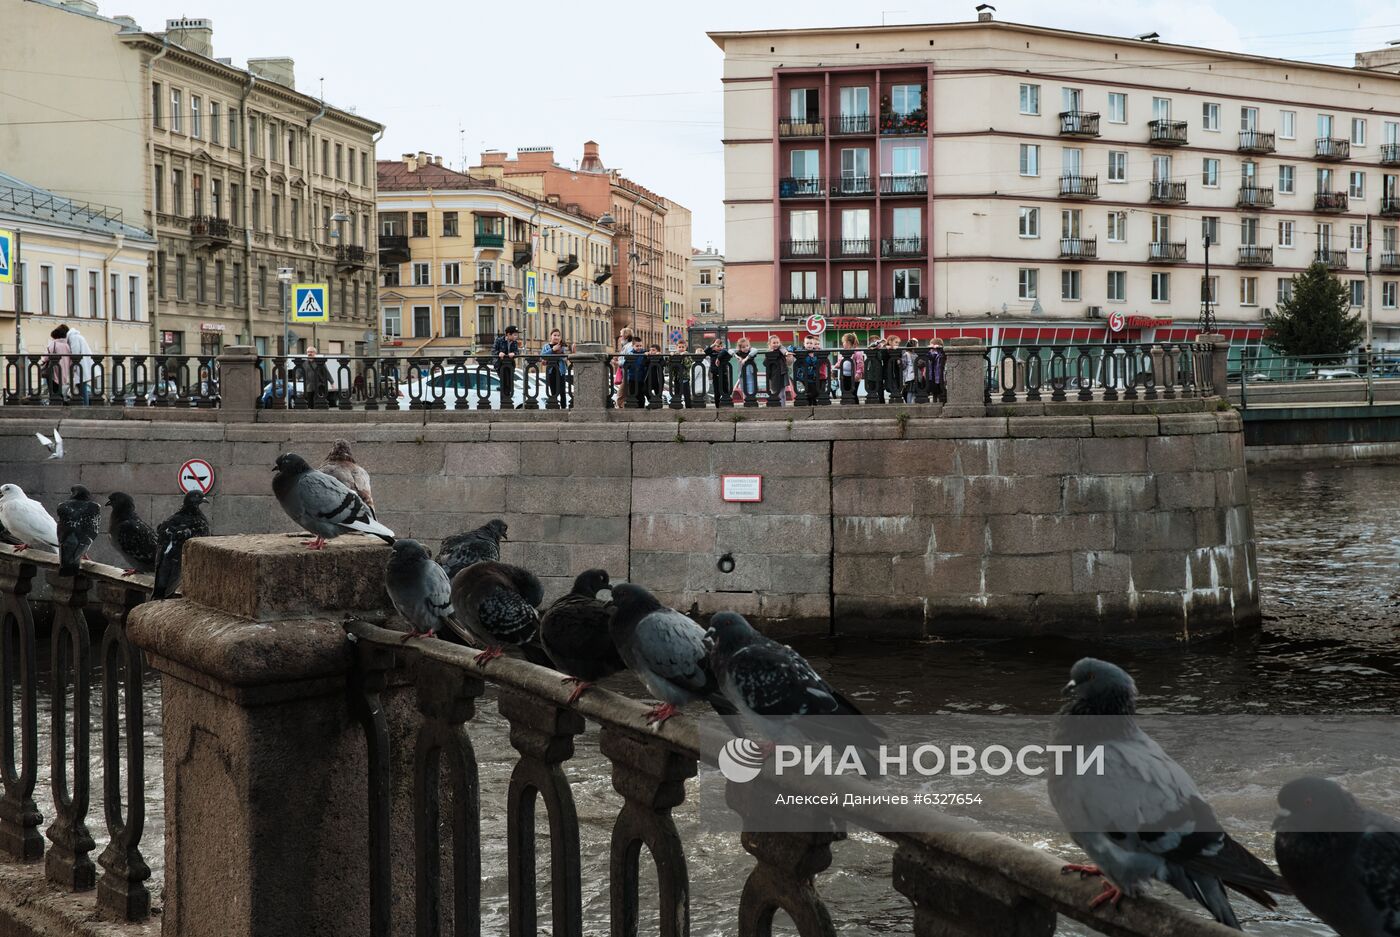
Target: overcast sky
641, 77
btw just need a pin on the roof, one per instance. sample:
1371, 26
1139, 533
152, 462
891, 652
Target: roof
20, 199
394, 176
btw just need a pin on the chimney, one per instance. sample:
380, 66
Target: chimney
493, 158
411, 161
195, 35
129, 24
437, 160
276, 69
592, 162
80, 6
985, 12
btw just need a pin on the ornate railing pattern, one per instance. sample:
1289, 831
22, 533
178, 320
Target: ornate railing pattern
1120, 371
119, 380
121, 891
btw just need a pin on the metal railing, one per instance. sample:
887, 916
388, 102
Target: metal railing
904, 183
1286, 381
1079, 124
902, 247
96, 592
1166, 252
1332, 148
209, 228
1079, 187
1390, 154
116, 380
1256, 141
1118, 371
1332, 258
1390, 261
1253, 196
1079, 248
1167, 192
853, 247
1330, 201
801, 127
1254, 256
849, 124
911, 123
1167, 132
852, 186
801, 187
350, 255
1390, 205
802, 248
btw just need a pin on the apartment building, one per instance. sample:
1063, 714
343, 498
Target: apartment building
706, 295
676, 305
455, 251
998, 178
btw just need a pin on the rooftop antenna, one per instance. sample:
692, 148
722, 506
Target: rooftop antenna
323, 90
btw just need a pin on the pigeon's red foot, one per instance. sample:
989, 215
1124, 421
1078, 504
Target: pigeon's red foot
661, 713
21, 547
416, 634
1085, 871
579, 687
488, 655
317, 544
130, 572
1111, 895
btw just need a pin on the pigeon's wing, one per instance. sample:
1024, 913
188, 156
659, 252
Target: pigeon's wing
32, 524
45, 441
775, 680
422, 595
526, 583
57, 444
1378, 865
361, 484
325, 500
506, 615
574, 633
671, 646
170, 547
137, 542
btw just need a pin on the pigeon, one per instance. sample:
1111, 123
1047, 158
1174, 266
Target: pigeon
665, 649
496, 603
419, 589
341, 466
1342, 859
79, 522
27, 520
55, 445
321, 504
574, 633
475, 546
133, 537
185, 524
1143, 817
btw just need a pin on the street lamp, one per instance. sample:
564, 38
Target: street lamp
284, 277
1206, 323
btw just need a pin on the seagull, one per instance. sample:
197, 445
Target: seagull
79, 521
574, 633
55, 445
665, 649
322, 505
496, 604
27, 520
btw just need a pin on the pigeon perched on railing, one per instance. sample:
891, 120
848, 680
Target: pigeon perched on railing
171, 534
665, 649
497, 605
79, 523
1342, 859
133, 537
482, 545
322, 505
419, 589
27, 520
1143, 817
341, 466
574, 633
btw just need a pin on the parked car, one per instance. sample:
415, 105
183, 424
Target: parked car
1336, 374
454, 384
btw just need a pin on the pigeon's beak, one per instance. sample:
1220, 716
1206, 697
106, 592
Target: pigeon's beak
1283, 815
1068, 689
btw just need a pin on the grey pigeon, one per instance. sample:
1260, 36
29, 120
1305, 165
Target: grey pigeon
1143, 817
79, 523
497, 603
322, 505
574, 633
481, 545
665, 649
133, 537
419, 589
1342, 859
171, 534
341, 466
27, 520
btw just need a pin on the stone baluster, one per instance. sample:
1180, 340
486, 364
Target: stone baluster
952, 900
785, 879
19, 815
592, 381
368, 683
240, 384
67, 863
1217, 366
965, 376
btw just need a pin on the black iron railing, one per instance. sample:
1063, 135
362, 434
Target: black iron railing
1390, 205
1330, 201
1252, 196
1166, 251
1254, 256
490, 286
1079, 124
1332, 258
1256, 141
210, 230
1390, 261
350, 256
902, 247
115, 380
1119, 371
1166, 192
852, 247
1079, 186
1332, 148
851, 186
905, 183
1079, 248
393, 249
1390, 154
1167, 132
801, 248
801, 187
850, 124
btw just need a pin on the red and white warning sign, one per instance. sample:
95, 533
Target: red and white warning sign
196, 475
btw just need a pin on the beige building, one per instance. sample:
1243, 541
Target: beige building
677, 308
455, 250
706, 277
236, 172
1018, 179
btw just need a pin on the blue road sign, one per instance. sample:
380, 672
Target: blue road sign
310, 303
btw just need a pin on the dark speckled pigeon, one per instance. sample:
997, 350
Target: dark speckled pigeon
1342, 859
185, 524
481, 545
497, 604
79, 523
665, 649
1143, 818
574, 633
133, 537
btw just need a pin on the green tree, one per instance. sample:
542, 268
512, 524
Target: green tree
1316, 321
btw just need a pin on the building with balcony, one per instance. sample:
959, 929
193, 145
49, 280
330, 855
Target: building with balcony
455, 251
907, 183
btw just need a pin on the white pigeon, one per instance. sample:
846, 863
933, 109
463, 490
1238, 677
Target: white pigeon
55, 445
27, 520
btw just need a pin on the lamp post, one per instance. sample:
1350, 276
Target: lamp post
1207, 320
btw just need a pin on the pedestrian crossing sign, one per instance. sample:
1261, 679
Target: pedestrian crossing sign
7, 250
309, 303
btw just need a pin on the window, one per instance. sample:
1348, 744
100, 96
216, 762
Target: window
1249, 232
1357, 237
1071, 162
1028, 283
421, 275
1030, 99
196, 116
160, 274
196, 194
1249, 118
1356, 185
262, 285
160, 188
179, 276
1285, 180
1161, 228
486, 321
1069, 285
1118, 226
237, 284
1117, 286
253, 136
802, 284
1210, 173
340, 163
1285, 234
855, 102
1324, 125
70, 292
452, 274
350, 165
219, 282
273, 150
325, 157
1161, 169
234, 123
1161, 287
133, 298
94, 294
420, 224
296, 217
256, 211
391, 274
216, 202
276, 207
45, 290
449, 224
1249, 291
200, 293
364, 167
704, 278
1117, 166
1288, 124
1358, 131
177, 111
1357, 289
422, 321
393, 321
114, 295
1210, 229
215, 121
177, 191
235, 205
1388, 293
1389, 239
1210, 290
1210, 116
1029, 222
452, 321
906, 99
1161, 108
1071, 223
1117, 107
1030, 159
805, 164
1285, 289
156, 104
855, 284
705, 305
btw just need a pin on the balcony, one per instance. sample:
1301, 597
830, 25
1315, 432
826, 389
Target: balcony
603, 274
852, 187
915, 122
1331, 258
1166, 132
1079, 248
850, 125
853, 248
1166, 192
1079, 187
487, 239
902, 307
568, 263
902, 247
1390, 262
863, 307
210, 233
1390, 154
1390, 206
490, 286
801, 127
393, 250
1079, 124
1166, 252
1330, 202
1254, 256
1256, 141
1333, 149
800, 187
801, 249
789, 309
1252, 196
350, 257
907, 183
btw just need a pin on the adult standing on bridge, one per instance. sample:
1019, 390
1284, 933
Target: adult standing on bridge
506, 348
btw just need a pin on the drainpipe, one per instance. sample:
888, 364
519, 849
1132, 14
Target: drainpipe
106, 284
310, 203
372, 284
243, 209
155, 221
433, 270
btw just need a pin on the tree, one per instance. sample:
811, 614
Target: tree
1315, 322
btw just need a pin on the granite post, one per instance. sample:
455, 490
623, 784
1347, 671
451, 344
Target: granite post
240, 385
966, 378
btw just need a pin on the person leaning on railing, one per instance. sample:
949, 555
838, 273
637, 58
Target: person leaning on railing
777, 362
809, 370
719, 355
556, 366
505, 349
56, 366
937, 359
852, 364
634, 373
875, 371
746, 383
679, 372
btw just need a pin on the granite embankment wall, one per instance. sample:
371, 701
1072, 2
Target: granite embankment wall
1102, 522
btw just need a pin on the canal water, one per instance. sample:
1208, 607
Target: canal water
1329, 541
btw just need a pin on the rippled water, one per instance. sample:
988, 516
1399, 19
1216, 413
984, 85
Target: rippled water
1329, 541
